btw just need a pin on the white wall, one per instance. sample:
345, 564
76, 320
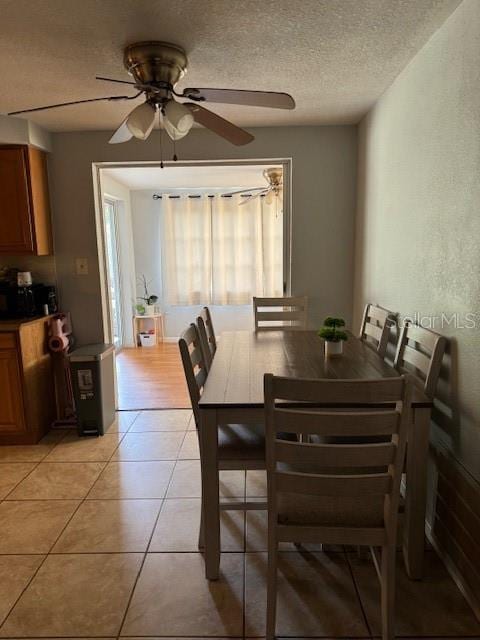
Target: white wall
418, 225
417, 248
323, 192
21, 131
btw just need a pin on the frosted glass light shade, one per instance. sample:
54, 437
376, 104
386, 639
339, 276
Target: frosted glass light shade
141, 120
178, 120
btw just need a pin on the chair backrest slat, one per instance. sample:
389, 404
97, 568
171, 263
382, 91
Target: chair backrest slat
336, 455
267, 316
375, 329
422, 349
194, 366
289, 313
339, 392
196, 356
201, 378
423, 336
324, 423
338, 485
416, 358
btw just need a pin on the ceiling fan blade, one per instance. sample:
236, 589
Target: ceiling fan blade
270, 99
235, 193
219, 125
66, 104
122, 134
114, 80
253, 196
141, 87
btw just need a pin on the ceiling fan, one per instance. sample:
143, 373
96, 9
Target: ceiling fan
273, 190
156, 67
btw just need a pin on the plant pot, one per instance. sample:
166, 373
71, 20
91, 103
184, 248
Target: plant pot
149, 309
333, 349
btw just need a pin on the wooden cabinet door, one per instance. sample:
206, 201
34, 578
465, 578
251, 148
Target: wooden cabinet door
11, 406
16, 232
40, 202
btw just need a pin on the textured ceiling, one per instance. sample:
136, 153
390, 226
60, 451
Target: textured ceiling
335, 57
240, 176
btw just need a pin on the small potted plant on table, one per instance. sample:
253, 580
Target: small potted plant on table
149, 299
334, 336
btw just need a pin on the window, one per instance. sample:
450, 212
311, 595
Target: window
221, 250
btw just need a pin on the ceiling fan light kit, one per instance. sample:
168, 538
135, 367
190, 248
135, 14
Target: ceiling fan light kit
178, 119
156, 68
141, 120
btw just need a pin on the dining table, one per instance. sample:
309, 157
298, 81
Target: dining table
233, 394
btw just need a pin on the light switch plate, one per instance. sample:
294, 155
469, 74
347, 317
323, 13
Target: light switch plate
81, 266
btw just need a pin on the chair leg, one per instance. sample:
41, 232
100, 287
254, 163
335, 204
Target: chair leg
201, 530
271, 593
210, 492
388, 592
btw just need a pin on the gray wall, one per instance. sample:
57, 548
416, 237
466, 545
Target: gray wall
418, 230
324, 174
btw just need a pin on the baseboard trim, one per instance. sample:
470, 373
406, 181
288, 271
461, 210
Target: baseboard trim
454, 572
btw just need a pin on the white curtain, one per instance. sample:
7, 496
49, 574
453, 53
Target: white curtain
186, 250
218, 252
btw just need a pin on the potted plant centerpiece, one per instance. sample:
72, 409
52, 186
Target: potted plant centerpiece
149, 299
334, 335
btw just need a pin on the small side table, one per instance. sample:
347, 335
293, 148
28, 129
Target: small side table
147, 323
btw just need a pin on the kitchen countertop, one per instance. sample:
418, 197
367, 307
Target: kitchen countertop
14, 324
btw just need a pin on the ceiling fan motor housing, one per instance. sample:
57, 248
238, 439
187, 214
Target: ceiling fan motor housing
156, 63
274, 176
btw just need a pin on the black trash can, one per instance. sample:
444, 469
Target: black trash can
93, 380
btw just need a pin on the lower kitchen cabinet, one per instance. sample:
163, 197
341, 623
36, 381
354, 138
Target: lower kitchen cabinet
27, 395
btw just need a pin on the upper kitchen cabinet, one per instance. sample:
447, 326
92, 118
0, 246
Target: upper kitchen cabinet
25, 226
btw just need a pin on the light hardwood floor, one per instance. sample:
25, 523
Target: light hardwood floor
151, 378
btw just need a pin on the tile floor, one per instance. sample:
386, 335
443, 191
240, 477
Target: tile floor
99, 540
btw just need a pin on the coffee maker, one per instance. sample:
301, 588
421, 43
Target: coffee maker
21, 298
25, 297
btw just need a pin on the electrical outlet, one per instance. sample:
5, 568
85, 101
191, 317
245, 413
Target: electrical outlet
81, 266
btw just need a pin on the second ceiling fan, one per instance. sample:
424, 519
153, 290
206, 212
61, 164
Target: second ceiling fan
272, 191
156, 68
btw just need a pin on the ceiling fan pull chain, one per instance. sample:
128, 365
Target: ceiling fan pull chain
175, 158
160, 130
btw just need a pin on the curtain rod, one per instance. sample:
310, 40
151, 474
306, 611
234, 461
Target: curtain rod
158, 196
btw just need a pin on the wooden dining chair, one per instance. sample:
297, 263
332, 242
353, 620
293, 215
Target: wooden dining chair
338, 493
420, 353
276, 314
240, 447
207, 335
375, 329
